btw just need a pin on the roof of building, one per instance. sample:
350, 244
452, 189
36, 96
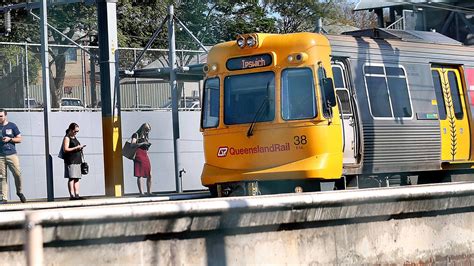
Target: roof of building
371, 4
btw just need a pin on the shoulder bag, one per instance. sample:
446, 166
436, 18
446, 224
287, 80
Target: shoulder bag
61, 151
129, 149
84, 165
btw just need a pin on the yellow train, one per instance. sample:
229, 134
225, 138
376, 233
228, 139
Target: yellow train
308, 112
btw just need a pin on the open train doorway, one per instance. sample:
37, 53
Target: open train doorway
343, 92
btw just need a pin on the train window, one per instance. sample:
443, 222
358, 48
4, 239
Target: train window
210, 108
338, 76
394, 71
343, 95
378, 70
397, 87
378, 96
298, 94
471, 99
388, 91
439, 94
249, 97
453, 84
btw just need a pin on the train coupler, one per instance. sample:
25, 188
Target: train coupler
244, 188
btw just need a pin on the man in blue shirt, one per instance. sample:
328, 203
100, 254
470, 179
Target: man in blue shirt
10, 135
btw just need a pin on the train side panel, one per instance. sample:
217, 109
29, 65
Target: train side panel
398, 142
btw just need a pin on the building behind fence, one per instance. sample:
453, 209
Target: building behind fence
21, 78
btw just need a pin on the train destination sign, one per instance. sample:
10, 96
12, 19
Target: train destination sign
249, 62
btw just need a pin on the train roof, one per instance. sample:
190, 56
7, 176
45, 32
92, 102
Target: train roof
404, 35
401, 46
267, 42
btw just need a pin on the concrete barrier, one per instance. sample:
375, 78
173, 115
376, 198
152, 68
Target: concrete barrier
396, 225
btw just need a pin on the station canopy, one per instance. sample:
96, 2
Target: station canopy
374, 4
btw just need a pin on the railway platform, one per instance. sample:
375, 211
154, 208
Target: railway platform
418, 224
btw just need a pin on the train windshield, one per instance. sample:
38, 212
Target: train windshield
249, 94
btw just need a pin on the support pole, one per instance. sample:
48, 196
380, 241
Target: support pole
110, 97
27, 78
380, 21
83, 78
174, 97
46, 99
93, 90
136, 83
33, 240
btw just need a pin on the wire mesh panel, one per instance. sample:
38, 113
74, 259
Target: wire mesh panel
75, 77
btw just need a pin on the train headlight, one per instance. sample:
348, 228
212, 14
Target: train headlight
297, 58
241, 42
209, 68
247, 40
251, 41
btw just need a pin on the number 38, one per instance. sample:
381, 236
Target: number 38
300, 140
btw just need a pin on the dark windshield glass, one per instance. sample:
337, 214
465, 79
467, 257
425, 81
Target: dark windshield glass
245, 94
210, 108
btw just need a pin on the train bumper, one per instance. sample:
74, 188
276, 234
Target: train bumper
323, 166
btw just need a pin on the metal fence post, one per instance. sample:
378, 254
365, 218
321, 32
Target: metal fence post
33, 239
174, 97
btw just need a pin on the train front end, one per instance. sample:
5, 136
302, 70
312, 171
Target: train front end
270, 118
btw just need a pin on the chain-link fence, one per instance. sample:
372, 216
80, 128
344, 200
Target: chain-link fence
75, 79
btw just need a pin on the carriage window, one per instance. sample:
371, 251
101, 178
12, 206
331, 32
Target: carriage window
342, 91
439, 94
471, 98
338, 77
343, 96
398, 90
298, 94
249, 97
377, 70
388, 91
210, 109
453, 84
378, 96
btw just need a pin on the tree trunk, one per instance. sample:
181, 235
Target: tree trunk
56, 87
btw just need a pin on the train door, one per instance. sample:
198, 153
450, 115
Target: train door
347, 112
454, 125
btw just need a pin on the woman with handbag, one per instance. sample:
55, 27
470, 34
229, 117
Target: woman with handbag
72, 160
141, 162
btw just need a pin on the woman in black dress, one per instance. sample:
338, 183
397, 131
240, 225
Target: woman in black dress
72, 160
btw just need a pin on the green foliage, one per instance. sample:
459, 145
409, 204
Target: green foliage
298, 16
137, 21
77, 21
211, 21
238, 17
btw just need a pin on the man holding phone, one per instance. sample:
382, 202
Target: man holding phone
8, 157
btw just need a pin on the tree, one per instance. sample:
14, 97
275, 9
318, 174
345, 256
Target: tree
298, 16
360, 19
74, 20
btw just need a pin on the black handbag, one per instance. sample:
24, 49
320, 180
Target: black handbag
84, 166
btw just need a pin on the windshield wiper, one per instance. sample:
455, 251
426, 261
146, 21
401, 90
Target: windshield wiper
255, 118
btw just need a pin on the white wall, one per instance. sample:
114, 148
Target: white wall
32, 152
